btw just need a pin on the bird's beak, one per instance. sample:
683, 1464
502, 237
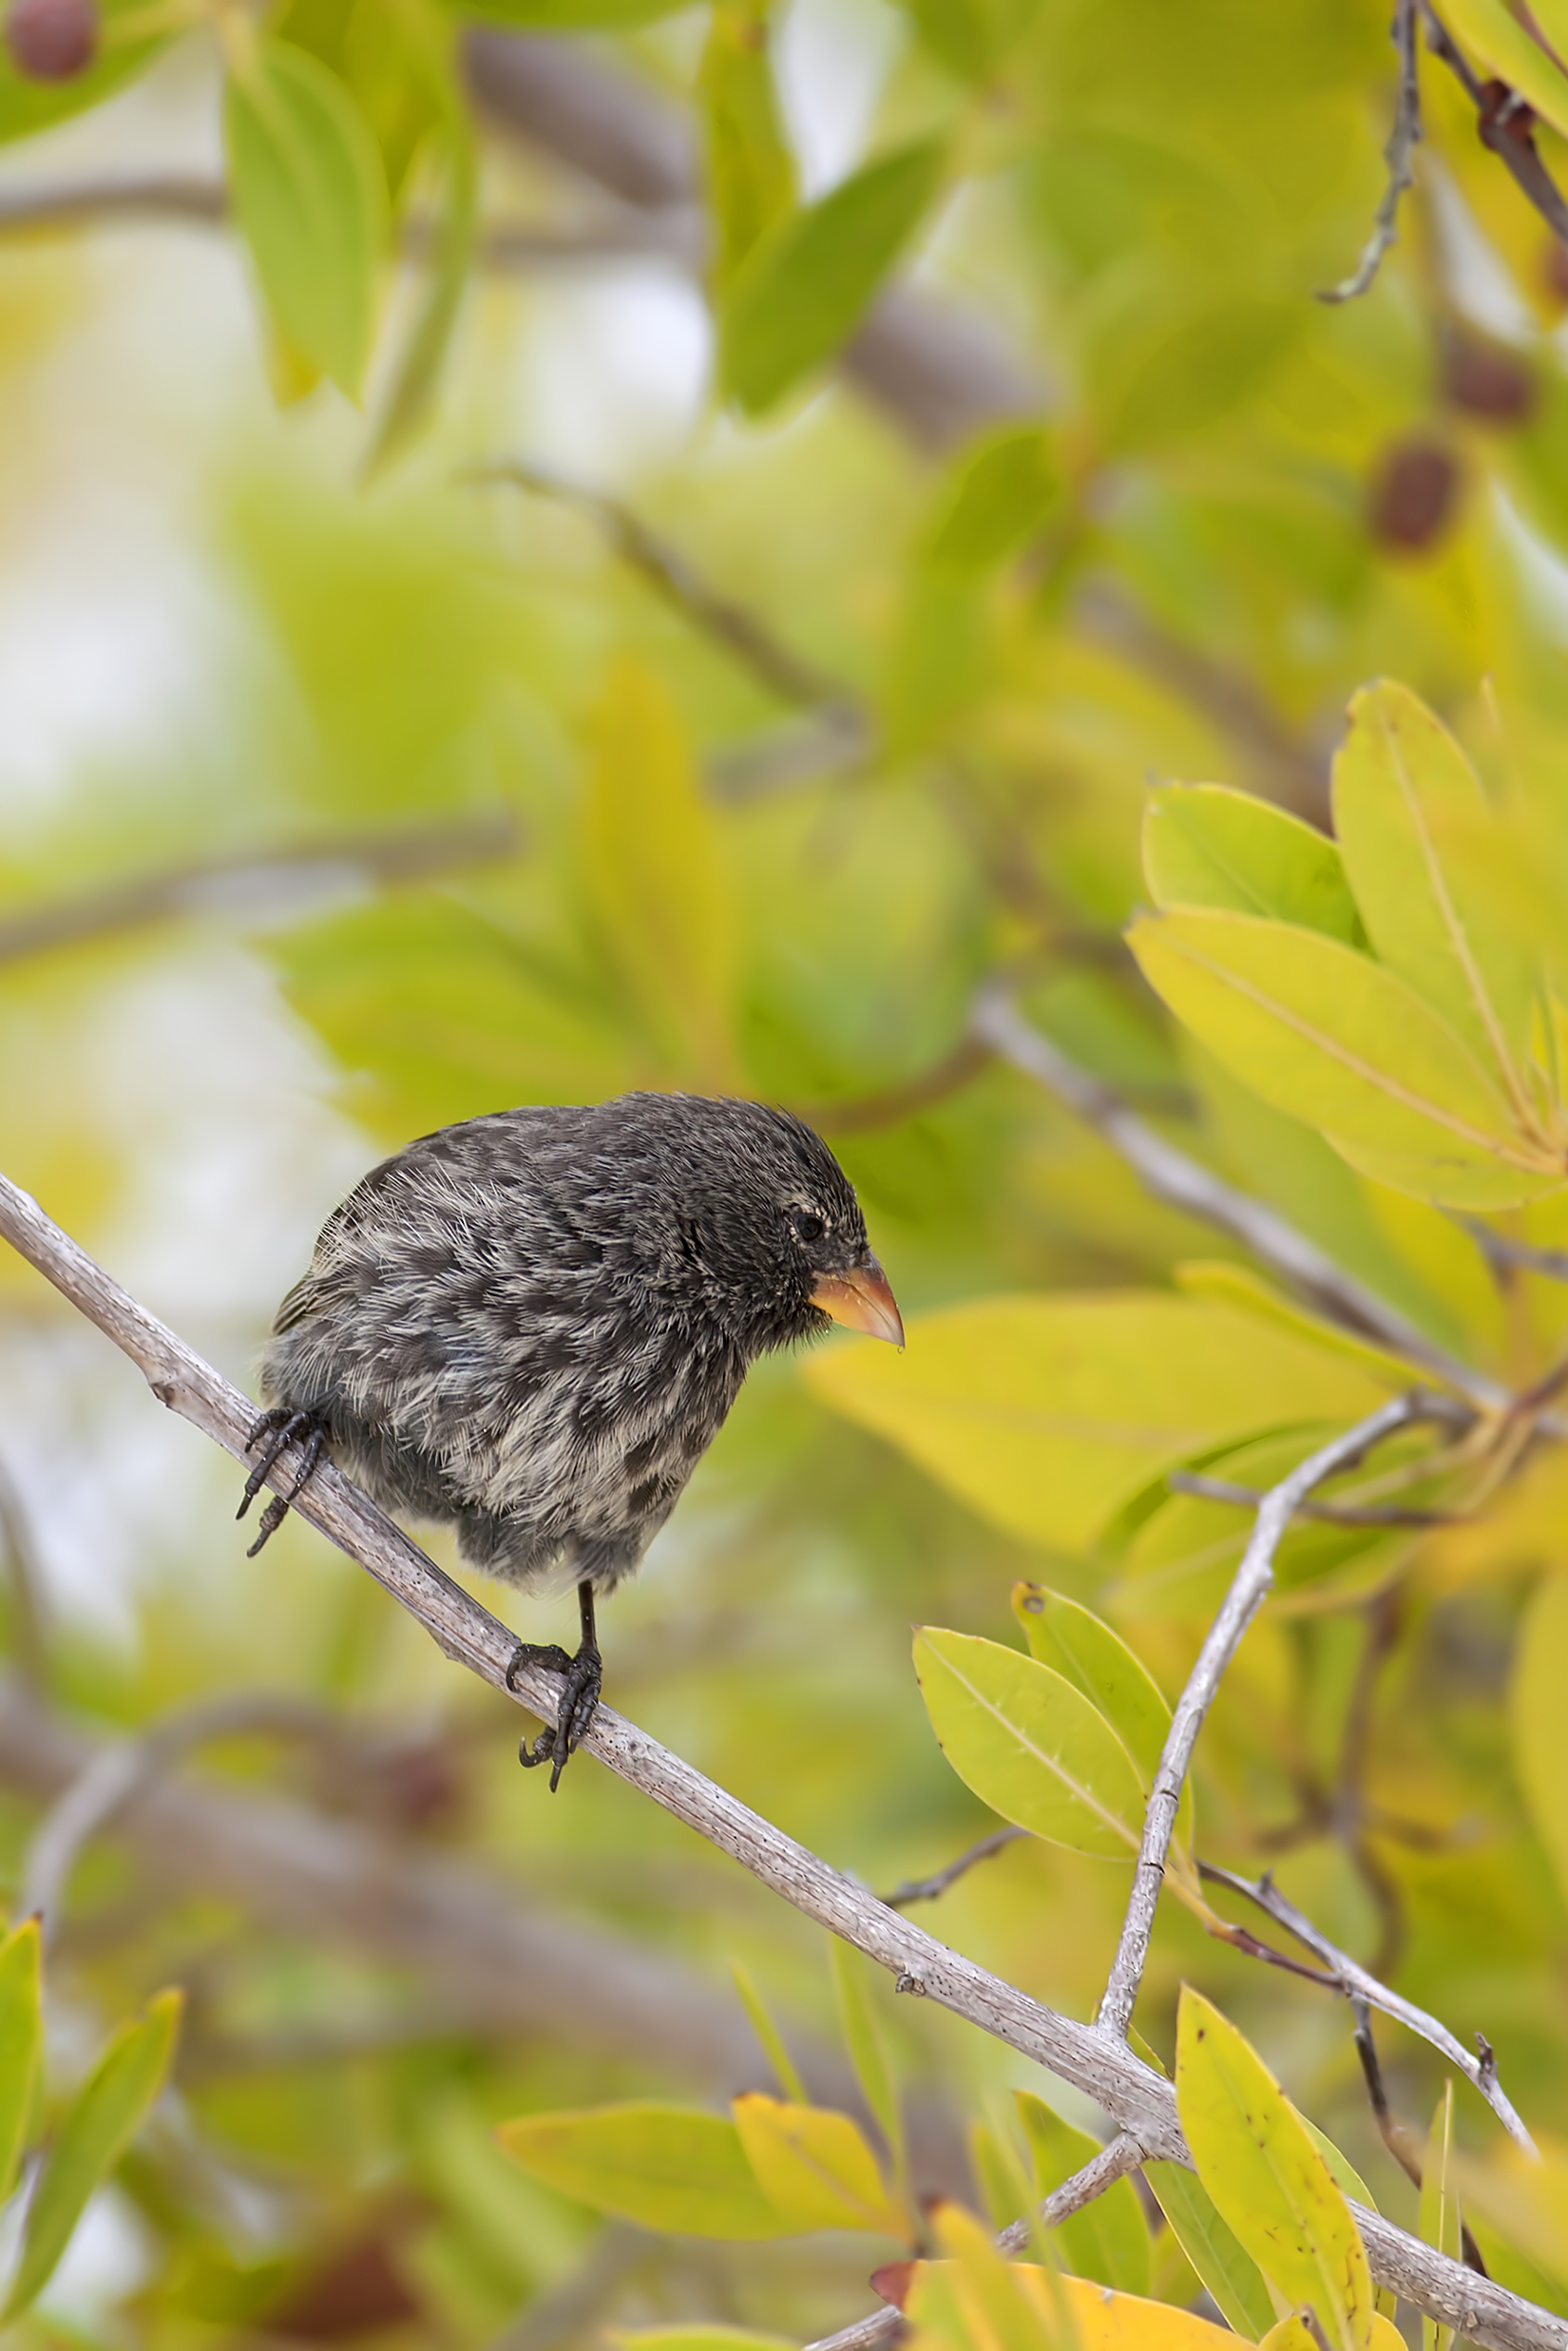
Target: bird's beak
861, 1300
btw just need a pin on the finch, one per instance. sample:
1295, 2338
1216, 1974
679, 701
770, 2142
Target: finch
529, 1327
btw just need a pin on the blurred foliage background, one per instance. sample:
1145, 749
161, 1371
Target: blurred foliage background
715, 638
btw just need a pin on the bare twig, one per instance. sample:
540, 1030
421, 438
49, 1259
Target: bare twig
1091, 2058
260, 877
928, 1890
1248, 1592
1330, 1513
1400, 157
741, 632
1503, 1254
1183, 1184
1356, 1983
1397, 2137
1504, 127
1101, 2172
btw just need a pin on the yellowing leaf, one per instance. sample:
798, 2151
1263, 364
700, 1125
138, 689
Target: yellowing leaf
1080, 1646
1238, 1285
864, 2040
656, 875
310, 197
1408, 811
1268, 2180
1109, 2239
1047, 1414
1526, 2202
21, 2043
1439, 2222
802, 290
663, 2167
1501, 41
1345, 1045
977, 2299
814, 2167
1030, 1744
1541, 1717
1103, 2321
749, 170
999, 495
1210, 2244
1207, 846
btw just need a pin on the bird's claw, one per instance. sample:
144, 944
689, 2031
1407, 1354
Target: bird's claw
280, 1426
583, 1677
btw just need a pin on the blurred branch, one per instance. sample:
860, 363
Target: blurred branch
1092, 2058
567, 2307
254, 877
1400, 2141
1183, 1184
1331, 1514
29, 1642
861, 1114
928, 1890
1113, 2162
1400, 157
1505, 1256
1356, 1983
1504, 126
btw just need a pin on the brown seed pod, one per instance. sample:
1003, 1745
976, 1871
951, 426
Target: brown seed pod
1488, 380
51, 40
1412, 494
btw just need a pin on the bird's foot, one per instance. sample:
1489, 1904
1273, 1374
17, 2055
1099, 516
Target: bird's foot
280, 1426
583, 1677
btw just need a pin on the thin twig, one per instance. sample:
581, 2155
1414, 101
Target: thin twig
1090, 2058
1504, 127
1330, 1513
1400, 157
1183, 1184
1355, 1983
1113, 2162
1501, 1253
1249, 1590
741, 632
928, 1890
257, 878
1400, 2141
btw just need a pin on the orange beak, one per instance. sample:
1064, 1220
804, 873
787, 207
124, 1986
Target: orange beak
861, 1300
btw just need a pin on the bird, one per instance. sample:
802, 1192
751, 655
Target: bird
530, 1326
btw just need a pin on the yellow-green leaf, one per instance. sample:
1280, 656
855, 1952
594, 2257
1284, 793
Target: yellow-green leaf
1268, 2180
655, 873
310, 197
1345, 1045
975, 2296
1030, 1744
1410, 817
1080, 1646
417, 374
1439, 2222
1109, 2239
1238, 1285
663, 2167
805, 285
1001, 492
99, 2124
694, 2336
750, 169
1525, 2201
1210, 2244
867, 2044
814, 2167
1048, 1413
959, 2304
1502, 41
769, 2035
21, 2043
1207, 846
1541, 1717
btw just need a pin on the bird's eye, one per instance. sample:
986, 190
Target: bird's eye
807, 1226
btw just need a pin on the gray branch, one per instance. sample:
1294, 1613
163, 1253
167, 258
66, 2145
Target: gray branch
1091, 2058
1181, 1184
1250, 1587
1399, 155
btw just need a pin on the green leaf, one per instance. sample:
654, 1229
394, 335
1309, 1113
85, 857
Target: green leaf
750, 169
1439, 2223
969, 37
867, 2044
1030, 1744
769, 2035
694, 2336
416, 374
1263, 2172
1080, 1646
394, 58
1002, 491
1541, 1717
655, 873
814, 2167
21, 2043
97, 2126
310, 197
1109, 2239
1225, 2266
1414, 827
1339, 1041
1205, 846
663, 2167
1048, 1414
804, 288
